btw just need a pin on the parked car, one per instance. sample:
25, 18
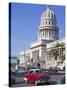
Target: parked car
13, 78
35, 76
62, 80
21, 71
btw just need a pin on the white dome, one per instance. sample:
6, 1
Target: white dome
48, 14
48, 29
48, 18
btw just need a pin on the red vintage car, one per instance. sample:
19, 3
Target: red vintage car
36, 76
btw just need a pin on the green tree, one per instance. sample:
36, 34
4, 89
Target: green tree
54, 51
62, 58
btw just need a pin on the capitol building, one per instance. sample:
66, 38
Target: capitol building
48, 35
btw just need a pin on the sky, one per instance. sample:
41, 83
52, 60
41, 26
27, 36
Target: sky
25, 19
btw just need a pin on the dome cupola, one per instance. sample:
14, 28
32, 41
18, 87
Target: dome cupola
48, 29
48, 14
48, 18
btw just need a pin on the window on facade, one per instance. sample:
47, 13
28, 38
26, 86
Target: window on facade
46, 22
52, 23
49, 22
43, 32
43, 23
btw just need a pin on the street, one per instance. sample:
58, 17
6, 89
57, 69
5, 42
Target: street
55, 77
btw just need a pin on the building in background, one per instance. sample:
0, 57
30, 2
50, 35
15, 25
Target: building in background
14, 63
48, 35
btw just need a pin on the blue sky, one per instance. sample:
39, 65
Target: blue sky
25, 19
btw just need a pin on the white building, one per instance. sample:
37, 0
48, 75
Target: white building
48, 34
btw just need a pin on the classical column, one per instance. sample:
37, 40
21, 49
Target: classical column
42, 33
45, 33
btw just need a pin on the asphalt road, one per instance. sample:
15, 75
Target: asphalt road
55, 77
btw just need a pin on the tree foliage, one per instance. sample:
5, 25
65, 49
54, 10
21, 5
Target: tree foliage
54, 51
